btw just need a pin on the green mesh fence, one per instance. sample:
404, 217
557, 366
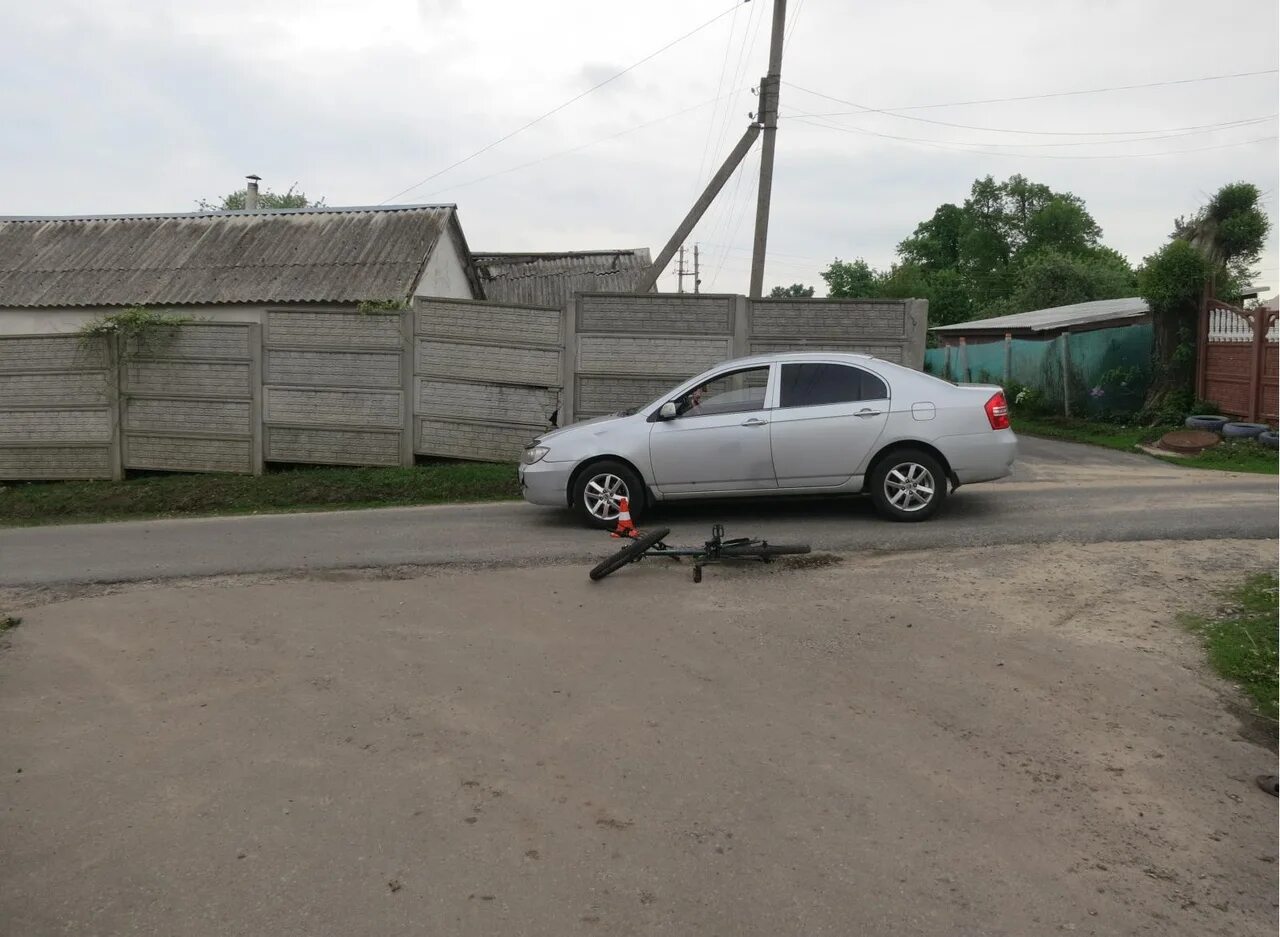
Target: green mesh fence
1108, 369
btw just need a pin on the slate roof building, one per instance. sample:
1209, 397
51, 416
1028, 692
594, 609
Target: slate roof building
551, 279
56, 273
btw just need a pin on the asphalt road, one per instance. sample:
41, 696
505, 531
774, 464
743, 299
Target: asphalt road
1059, 492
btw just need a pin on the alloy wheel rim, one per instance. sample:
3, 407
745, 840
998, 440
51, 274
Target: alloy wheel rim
603, 494
909, 487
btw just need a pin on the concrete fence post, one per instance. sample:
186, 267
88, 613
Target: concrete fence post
116, 403
917, 325
1008, 356
408, 385
741, 327
965, 377
569, 361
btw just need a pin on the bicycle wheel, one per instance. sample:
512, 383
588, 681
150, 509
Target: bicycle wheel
628, 554
766, 550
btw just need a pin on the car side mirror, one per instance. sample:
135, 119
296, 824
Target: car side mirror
668, 411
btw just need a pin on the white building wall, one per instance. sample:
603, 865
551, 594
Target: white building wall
446, 274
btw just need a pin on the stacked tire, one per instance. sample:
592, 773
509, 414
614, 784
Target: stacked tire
1230, 430
1213, 424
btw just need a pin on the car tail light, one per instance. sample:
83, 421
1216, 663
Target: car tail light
998, 411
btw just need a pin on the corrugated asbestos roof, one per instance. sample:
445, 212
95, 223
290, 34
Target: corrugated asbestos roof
552, 279
1058, 317
296, 255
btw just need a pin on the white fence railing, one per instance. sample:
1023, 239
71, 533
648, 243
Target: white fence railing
1228, 326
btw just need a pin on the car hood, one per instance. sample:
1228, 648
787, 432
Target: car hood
597, 422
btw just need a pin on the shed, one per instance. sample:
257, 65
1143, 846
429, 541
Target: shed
1090, 357
56, 273
551, 279
1077, 317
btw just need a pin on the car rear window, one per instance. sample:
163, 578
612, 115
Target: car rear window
813, 385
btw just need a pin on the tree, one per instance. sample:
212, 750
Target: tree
1012, 246
984, 245
1209, 254
293, 198
944, 289
851, 280
794, 291
1053, 277
1063, 225
935, 244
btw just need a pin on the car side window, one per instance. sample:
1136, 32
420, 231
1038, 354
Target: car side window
735, 392
813, 385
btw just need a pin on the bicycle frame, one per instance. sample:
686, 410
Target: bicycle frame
713, 551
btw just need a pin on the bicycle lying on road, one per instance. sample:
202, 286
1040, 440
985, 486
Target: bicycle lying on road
713, 551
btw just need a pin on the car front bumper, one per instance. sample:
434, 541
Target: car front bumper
546, 483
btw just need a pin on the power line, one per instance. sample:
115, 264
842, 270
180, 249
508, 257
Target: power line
560, 107
1063, 94
738, 70
724, 65
1185, 132
580, 146
740, 210
964, 148
863, 109
791, 27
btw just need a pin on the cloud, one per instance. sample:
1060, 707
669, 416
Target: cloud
594, 73
114, 106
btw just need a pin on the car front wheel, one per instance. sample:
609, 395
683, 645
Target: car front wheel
598, 492
908, 485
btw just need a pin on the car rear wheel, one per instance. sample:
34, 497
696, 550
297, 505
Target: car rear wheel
598, 492
908, 485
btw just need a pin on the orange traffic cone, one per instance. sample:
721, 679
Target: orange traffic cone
625, 528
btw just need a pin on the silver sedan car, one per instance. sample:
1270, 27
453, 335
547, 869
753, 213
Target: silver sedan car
784, 424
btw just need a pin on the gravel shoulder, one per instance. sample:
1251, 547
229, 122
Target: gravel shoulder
1001, 740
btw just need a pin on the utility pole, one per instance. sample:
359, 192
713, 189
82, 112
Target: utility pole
680, 274
697, 273
768, 118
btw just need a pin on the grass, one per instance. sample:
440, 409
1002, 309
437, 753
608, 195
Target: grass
1241, 640
1231, 455
299, 489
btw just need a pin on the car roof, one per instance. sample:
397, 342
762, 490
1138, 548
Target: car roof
815, 355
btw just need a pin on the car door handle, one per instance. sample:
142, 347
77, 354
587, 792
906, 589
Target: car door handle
755, 421
868, 412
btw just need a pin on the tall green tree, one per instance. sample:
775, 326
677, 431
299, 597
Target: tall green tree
1010, 247
1210, 253
794, 291
1052, 277
234, 201
854, 279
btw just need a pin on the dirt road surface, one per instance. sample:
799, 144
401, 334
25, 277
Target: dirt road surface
995, 741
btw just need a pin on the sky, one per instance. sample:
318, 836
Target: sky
124, 106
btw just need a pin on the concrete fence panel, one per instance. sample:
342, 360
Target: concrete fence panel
190, 398
892, 329
625, 350
57, 408
487, 377
335, 387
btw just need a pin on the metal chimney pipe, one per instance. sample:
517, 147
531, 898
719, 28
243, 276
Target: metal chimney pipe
251, 194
